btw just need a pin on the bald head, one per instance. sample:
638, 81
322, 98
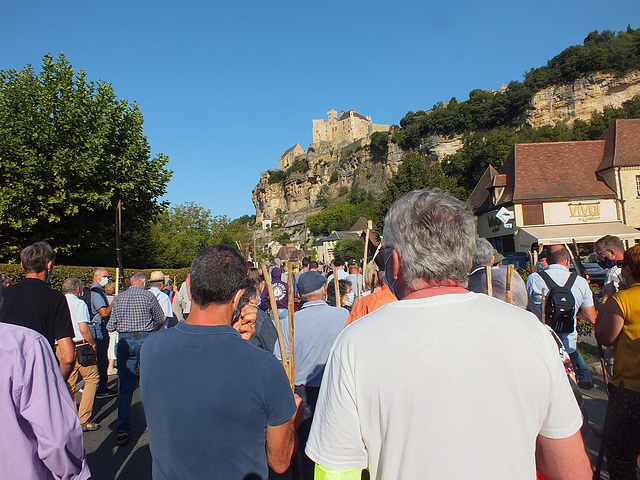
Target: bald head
138, 279
558, 254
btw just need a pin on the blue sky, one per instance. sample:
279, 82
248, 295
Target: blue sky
225, 88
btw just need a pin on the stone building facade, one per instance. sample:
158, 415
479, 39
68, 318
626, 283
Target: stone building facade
350, 126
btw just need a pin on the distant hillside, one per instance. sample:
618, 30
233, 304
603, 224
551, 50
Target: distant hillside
574, 97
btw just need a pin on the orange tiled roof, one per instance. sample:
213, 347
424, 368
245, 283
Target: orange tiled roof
622, 144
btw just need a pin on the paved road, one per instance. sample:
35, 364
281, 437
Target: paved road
133, 461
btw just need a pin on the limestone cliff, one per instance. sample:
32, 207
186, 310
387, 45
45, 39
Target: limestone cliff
582, 97
298, 195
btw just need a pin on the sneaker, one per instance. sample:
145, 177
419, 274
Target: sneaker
123, 438
586, 385
108, 394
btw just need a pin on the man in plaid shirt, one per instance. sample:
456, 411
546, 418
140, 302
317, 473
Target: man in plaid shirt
134, 315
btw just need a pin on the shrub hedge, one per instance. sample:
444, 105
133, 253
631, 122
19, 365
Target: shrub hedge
62, 272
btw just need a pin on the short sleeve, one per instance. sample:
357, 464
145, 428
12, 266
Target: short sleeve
563, 417
276, 393
587, 298
62, 326
335, 441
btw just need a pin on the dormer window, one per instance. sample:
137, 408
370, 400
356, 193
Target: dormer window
496, 188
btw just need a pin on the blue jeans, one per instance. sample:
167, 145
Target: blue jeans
128, 359
581, 369
102, 345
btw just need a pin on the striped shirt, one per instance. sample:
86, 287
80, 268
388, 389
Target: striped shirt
135, 310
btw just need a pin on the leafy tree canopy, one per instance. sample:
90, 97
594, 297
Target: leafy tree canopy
69, 150
349, 248
415, 173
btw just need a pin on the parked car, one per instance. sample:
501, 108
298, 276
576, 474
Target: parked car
519, 259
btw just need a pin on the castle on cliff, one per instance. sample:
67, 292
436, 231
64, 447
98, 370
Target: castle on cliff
338, 131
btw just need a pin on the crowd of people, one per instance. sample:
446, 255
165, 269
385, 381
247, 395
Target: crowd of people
426, 376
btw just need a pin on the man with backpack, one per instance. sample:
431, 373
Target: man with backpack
565, 294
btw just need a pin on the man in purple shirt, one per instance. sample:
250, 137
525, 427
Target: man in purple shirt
41, 436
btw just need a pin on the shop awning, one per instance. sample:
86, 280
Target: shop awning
581, 233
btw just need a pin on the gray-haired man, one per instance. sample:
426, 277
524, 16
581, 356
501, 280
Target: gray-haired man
432, 386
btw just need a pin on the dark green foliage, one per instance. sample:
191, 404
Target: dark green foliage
300, 165
335, 176
276, 176
415, 173
605, 52
84, 273
349, 248
379, 145
69, 150
246, 219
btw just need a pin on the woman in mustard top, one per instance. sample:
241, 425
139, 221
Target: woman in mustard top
618, 324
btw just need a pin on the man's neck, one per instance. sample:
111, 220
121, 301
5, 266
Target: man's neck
37, 275
426, 289
213, 315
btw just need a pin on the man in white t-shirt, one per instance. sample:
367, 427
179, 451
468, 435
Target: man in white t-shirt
72, 289
444, 383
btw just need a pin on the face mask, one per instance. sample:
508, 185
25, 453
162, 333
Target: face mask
104, 281
607, 263
386, 279
352, 297
540, 267
48, 279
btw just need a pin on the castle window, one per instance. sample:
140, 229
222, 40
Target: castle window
638, 185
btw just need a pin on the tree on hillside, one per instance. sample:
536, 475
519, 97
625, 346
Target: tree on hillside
415, 173
69, 151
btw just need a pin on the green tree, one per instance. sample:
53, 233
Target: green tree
69, 151
349, 248
415, 173
179, 233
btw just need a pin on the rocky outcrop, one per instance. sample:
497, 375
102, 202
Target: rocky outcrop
333, 168
581, 98
301, 194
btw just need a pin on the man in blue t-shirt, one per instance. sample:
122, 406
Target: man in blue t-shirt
233, 412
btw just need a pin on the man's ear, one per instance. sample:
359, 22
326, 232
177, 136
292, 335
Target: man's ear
188, 281
236, 298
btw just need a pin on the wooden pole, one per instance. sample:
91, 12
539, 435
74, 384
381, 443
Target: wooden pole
336, 284
508, 292
487, 273
290, 308
364, 261
543, 305
118, 232
276, 318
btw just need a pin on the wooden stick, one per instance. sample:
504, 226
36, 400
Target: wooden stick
543, 305
276, 318
290, 308
336, 284
364, 260
508, 293
487, 273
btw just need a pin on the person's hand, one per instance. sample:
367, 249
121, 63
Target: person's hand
299, 415
246, 323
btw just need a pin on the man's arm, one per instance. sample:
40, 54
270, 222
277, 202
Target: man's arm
282, 438
589, 314
157, 313
563, 458
67, 356
86, 334
609, 324
105, 312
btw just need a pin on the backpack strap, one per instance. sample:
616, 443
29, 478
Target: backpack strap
106, 303
571, 281
548, 280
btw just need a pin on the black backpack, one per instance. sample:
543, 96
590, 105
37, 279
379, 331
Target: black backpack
86, 298
560, 306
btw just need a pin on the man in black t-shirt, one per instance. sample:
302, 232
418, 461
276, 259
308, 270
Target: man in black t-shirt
33, 304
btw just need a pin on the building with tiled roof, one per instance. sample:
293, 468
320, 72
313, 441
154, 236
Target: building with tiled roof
552, 193
347, 128
289, 156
